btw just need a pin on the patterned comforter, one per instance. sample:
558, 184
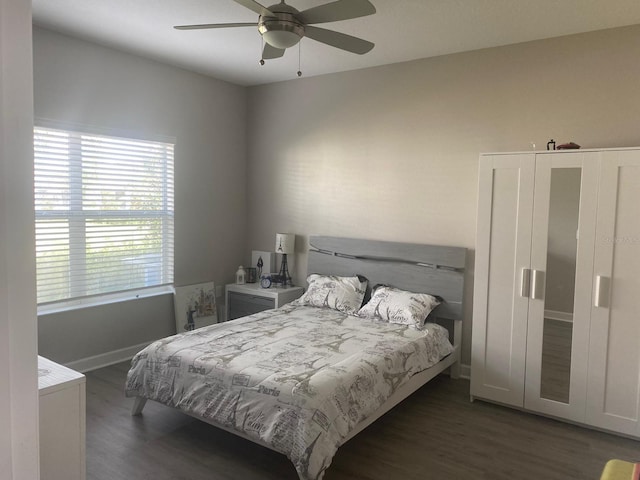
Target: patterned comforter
298, 379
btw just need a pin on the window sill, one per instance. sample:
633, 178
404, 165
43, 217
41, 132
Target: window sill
88, 302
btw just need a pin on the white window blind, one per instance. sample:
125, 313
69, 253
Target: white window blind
104, 214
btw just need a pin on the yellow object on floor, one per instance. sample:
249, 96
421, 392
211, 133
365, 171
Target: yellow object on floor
620, 470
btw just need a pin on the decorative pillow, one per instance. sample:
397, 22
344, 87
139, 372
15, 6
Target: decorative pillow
399, 306
340, 293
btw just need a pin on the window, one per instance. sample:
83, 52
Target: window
104, 214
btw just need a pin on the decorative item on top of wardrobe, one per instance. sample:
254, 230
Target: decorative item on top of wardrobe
568, 146
551, 145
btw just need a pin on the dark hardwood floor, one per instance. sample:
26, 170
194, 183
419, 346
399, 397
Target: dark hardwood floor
437, 433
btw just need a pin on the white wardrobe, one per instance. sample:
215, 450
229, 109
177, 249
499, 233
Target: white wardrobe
556, 315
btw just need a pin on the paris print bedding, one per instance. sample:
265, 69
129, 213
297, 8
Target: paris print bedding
298, 378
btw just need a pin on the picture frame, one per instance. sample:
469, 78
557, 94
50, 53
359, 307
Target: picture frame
268, 262
195, 306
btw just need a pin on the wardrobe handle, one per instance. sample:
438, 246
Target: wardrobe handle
537, 292
602, 291
525, 285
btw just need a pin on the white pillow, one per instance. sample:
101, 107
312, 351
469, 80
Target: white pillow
339, 293
399, 306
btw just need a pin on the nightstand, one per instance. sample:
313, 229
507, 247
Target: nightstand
243, 300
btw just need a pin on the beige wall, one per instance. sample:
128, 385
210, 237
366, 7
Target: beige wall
385, 153
391, 152
81, 83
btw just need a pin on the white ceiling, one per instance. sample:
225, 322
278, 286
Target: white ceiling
401, 29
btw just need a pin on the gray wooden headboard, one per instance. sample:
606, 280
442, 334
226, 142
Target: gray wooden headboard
433, 269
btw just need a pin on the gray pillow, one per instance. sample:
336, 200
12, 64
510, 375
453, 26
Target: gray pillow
344, 294
399, 306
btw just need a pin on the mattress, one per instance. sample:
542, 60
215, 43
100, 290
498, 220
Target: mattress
297, 379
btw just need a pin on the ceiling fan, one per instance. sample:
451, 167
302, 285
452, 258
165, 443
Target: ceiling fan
282, 26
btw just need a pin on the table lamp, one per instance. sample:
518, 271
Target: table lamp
285, 244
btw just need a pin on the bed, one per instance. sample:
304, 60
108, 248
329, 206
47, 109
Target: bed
305, 378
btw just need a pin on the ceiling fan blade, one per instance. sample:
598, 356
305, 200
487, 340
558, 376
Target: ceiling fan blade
256, 7
338, 10
338, 40
270, 52
214, 25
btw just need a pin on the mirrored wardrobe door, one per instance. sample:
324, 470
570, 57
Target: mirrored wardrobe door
564, 221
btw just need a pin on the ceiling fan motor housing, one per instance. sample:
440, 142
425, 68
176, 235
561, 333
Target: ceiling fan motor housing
282, 30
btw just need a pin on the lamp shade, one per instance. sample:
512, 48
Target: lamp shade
281, 38
285, 243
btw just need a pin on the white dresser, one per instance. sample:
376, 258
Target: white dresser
62, 422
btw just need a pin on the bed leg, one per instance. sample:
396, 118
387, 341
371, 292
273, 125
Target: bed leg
138, 405
454, 370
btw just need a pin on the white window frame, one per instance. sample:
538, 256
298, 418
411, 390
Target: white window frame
76, 215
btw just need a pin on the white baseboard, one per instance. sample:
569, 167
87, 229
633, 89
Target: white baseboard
465, 371
105, 359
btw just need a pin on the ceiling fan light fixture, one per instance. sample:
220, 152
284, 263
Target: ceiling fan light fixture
281, 39
281, 33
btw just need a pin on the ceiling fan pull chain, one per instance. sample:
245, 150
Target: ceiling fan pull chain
261, 50
299, 55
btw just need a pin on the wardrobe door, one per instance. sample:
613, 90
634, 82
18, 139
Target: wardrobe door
614, 361
564, 217
503, 243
